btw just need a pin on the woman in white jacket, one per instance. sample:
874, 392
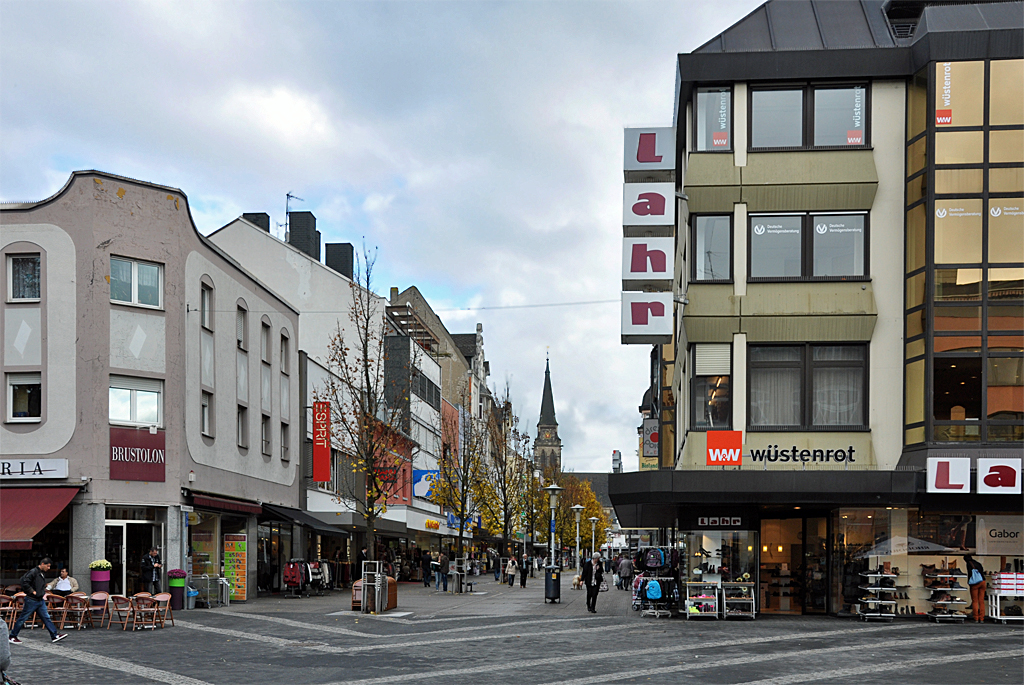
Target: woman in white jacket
510, 570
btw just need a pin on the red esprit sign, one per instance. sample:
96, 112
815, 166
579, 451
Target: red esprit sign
322, 442
137, 454
725, 448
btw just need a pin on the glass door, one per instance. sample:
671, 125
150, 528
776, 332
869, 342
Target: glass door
816, 565
114, 551
781, 578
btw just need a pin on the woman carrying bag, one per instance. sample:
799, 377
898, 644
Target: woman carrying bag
976, 582
510, 570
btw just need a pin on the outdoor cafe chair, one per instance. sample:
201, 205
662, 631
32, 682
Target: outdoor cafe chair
163, 608
19, 606
144, 611
80, 608
120, 611
8, 613
100, 609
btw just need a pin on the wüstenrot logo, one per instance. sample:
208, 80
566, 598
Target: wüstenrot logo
725, 448
944, 116
855, 137
821, 229
759, 229
719, 139
941, 213
995, 211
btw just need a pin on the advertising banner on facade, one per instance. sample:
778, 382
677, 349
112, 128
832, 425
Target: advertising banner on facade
322, 442
1002, 535
137, 454
651, 438
235, 564
423, 482
959, 93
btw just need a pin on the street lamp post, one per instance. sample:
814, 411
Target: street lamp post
552, 491
577, 509
593, 521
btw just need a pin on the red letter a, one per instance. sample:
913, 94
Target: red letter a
1001, 477
650, 204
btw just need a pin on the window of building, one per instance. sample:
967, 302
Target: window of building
813, 246
265, 434
713, 125
712, 248
136, 401
804, 386
284, 442
241, 317
23, 278
24, 397
808, 116
206, 306
426, 390
284, 354
242, 427
710, 396
205, 427
135, 282
265, 343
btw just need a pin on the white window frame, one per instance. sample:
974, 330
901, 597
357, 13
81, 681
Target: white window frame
284, 442
242, 328
265, 343
135, 283
134, 385
284, 354
12, 379
266, 435
10, 276
205, 402
205, 303
242, 427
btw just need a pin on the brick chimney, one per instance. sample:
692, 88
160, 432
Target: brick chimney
302, 233
339, 256
261, 219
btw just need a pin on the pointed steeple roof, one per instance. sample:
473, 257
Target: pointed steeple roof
547, 403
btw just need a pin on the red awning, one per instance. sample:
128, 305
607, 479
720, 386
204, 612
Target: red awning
26, 511
208, 502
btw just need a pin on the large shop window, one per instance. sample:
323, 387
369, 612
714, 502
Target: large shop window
807, 386
713, 125
136, 401
710, 401
808, 246
808, 117
135, 282
23, 278
24, 397
712, 248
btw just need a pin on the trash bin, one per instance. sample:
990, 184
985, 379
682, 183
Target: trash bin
190, 598
552, 589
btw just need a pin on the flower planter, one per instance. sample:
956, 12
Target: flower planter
175, 582
177, 594
100, 580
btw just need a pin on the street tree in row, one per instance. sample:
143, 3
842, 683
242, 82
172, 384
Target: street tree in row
502, 491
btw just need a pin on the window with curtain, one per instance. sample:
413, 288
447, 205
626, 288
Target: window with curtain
838, 384
135, 282
24, 275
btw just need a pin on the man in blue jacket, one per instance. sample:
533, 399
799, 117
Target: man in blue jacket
33, 585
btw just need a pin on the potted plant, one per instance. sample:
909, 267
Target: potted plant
99, 574
176, 583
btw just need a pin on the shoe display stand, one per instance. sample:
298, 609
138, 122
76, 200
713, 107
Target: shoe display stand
950, 615
703, 600
1005, 591
879, 605
738, 601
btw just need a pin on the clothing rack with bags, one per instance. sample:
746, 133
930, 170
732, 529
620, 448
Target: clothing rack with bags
656, 586
296, 578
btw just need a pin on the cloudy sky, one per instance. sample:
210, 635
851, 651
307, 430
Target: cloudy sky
476, 145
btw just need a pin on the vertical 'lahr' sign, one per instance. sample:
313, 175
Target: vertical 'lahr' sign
649, 205
649, 149
647, 318
322, 442
648, 263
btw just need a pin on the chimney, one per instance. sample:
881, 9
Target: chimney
394, 294
261, 219
339, 257
302, 233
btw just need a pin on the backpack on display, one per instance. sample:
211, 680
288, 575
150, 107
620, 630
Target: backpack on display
654, 558
638, 561
653, 590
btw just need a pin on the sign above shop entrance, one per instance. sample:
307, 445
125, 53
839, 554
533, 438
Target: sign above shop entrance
33, 468
137, 454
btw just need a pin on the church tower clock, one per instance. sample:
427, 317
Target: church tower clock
547, 448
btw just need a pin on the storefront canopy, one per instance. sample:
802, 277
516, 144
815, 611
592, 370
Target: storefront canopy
299, 517
26, 511
221, 504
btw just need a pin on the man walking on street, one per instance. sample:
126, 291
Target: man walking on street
625, 573
442, 570
593, 574
523, 570
33, 584
150, 569
425, 567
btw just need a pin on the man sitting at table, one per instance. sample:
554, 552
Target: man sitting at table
63, 585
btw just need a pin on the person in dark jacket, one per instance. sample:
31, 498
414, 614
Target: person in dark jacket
977, 588
33, 584
524, 568
150, 571
425, 567
593, 575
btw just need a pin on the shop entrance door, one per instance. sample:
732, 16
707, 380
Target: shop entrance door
781, 568
815, 565
126, 543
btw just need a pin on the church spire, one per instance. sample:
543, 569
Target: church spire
547, 403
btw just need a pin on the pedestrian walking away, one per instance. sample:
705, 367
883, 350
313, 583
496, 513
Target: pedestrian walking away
593, 575
976, 582
33, 584
425, 562
625, 573
510, 571
63, 584
524, 568
150, 571
442, 569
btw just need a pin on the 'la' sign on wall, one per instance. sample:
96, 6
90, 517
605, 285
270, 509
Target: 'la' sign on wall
952, 475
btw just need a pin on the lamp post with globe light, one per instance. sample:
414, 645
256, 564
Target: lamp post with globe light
577, 509
593, 521
551, 586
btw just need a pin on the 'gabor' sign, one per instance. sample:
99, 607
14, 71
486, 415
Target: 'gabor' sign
137, 454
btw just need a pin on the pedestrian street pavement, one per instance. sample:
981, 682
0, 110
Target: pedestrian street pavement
502, 634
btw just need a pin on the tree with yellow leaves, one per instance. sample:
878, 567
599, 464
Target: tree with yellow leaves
502, 491
578, 491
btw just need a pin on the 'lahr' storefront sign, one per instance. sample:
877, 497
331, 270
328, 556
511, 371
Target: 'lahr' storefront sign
137, 454
33, 468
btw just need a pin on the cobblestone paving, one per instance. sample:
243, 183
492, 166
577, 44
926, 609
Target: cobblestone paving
510, 634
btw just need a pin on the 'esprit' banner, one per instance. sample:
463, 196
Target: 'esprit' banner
322, 442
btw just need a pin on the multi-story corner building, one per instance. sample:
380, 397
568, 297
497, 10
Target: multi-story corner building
849, 334
150, 389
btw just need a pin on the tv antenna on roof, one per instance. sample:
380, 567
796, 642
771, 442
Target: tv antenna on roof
287, 210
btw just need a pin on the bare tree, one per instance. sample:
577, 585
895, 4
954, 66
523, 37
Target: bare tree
368, 414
